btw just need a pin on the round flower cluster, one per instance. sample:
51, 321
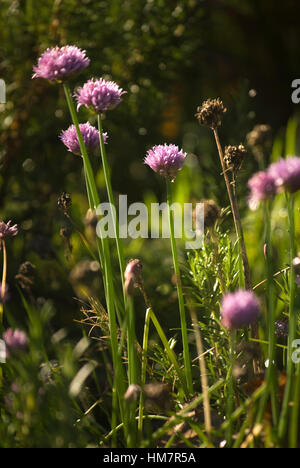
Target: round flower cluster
99, 95
239, 309
58, 63
166, 160
89, 134
281, 175
286, 173
262, 187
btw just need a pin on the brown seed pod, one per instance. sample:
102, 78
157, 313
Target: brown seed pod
234, 156
210, 113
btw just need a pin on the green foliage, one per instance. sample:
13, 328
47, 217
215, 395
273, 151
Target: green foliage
169, 56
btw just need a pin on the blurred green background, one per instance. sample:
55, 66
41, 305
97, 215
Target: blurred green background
169, 56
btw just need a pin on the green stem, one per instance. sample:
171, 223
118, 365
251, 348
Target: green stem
3, 284
271, 385
169, 351
144, 368
104, 254
230, 401
88, 190
203, 373
294, 430
292, 324
112, 202
294, 427
131, 337
186, 353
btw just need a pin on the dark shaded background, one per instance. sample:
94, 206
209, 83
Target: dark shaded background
169, 56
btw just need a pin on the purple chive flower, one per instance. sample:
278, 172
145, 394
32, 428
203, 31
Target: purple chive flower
58, 63
262, 186
99, 94
166, 160
6, 230
239, 309
90, 137
15, 339
286, 173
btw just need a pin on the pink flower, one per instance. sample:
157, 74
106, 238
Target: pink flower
286, 173
15, 339
263, 187
59, 63
166, 160
239, 309
90, 137
99, 94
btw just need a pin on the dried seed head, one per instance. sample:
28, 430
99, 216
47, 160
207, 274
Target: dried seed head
210, 113
132, 276
259, 136
260, 140
234, 156
65, 202
27, 269
211, 213
25, 276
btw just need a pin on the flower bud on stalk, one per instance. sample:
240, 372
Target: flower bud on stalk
132, 276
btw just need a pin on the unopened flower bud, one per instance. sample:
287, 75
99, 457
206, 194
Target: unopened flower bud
15, 339
25, 276
132, 276
132, 393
